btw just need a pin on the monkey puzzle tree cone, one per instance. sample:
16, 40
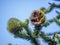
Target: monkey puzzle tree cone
37, 17
14, 25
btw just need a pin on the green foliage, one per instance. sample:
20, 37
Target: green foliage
25, 24
21, 29
9, 44
57, 21
45, 24
56, 35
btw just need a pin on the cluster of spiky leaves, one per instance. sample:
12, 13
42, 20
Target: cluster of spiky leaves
21, 29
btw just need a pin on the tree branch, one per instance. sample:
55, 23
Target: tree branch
50, 8
55, 5
22, 35
33, 40
50, 21
47, 39
36, 31
53, 33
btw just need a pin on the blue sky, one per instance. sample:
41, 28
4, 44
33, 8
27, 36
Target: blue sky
22, 9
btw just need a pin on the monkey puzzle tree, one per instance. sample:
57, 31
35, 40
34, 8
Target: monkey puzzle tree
38, 19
